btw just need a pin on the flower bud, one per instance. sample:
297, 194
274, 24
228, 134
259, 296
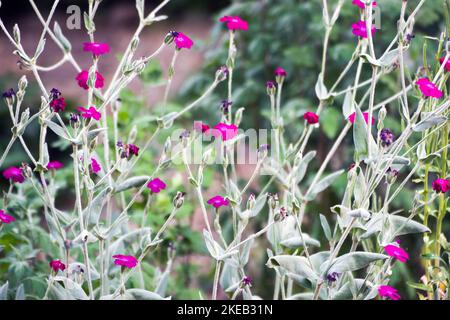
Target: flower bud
271, 88
391, 175
251, 202
222, 74
23, 83
179, 199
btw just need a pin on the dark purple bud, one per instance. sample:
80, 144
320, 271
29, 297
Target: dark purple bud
9, 93
332, 277
55, 93
387, 137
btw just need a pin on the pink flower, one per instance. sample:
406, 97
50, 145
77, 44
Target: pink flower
58, 105
441, 185
280, 72
388, 292
428, 88
156, 185
95, 166
6, 218
359, 29
351, 118
54, 165
397, 253
201, 127
447, 64
83, 78
361, 4
96, 48
227, 131
311, 117
234, 23
218, 201
57, 265
14, 174
182, 40
125, 261
134, 149
90, 113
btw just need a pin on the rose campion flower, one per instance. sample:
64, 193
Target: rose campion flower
441, 185
182, 41
428, 88
227, 131
54, 165
90, 113
201, 127
156, 185
351, 118
234, 23
83, 78
134, 149
361, 4
6, 218
125, 261
447, 64
15, 174
397, 253
57, 265
95, 166
388, 292
359, 29
311, 117
96, 48
58, 105
218, 201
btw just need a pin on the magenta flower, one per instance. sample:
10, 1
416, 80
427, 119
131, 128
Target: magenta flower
201, 127
428, 88
397, 253
96, 48
54, 165
441, 185
361, 4
182, 41
447, 64
90, 113
6, 218
95, 166
351, 118
83, 78
234, 23
58, 105
15, 174
227, 131
156, 185
280, 72
125, 261
218, 201
359, 29
134, 149
57, 265
388, 292
311, 117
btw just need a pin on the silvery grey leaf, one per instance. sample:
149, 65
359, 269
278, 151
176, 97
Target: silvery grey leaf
20, 293
401, 226
296, 242
354, 261
371, 60
134, 182
53, 229
229, 279
348, 106
259, 205
345, 292
325, 227
4, 291
62, 39
141, 294
131, 236
359, 213
322, 185
73, 288
428, 122
321, 89
60, 292
294, 264
57, 129
245, 253
94, 210
360, 136
303, 166
302, 296
40, 48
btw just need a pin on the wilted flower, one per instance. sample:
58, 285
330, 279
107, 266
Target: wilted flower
428, 88
156, 185
125, 261
387, 137
179, 199
226, 131
388, 292
361, 4
200, 127
447, 64
391, 175
397, 253
58, 105
95, 166
54, 165
311, 117
15, 174
225, 106
441, 185
128, 150
8, 94
134, 150
246, 281
182, 41
360, 29
90, 113
83, 78
55, 93
332, 277
222, 73
96, 48
351, 118
218, 201
57, 265
234, 23
6, 218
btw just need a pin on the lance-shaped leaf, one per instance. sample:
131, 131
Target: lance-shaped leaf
303, 166
4, 291
322, 185
93, 211
293, 264
134, 182
62, 39
321, 90
348, 106
428, 122
354, 261
141, 294
57, 129
20, 292
73, 288
398, 224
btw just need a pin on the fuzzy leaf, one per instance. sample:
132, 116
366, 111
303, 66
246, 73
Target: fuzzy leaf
354, 261
322, 185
